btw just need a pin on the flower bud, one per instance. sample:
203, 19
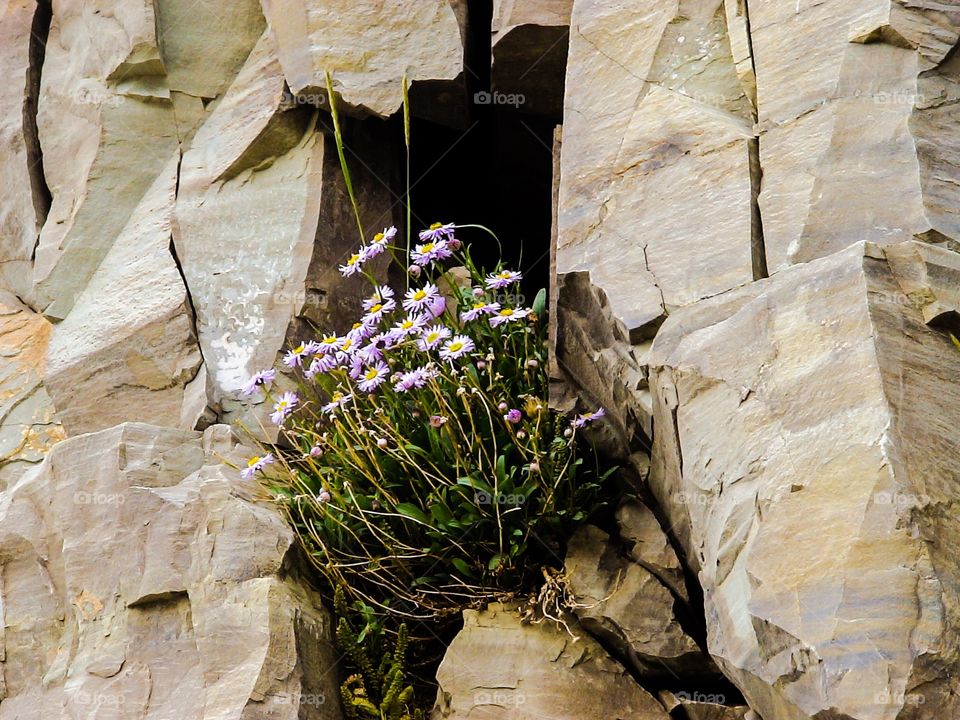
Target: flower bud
382, 443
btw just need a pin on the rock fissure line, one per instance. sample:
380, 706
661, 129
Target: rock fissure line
42, 197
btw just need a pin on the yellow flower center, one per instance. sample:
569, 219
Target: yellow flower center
371, 374
354, 259
455, 346
427, 248
337, 397
346, 344
433, 337
506, 312
282, 405
329, 340
420, 294
253, 461
357, 326
299, 349
376, 308
406, 324
436, 226
378, 237
477, 306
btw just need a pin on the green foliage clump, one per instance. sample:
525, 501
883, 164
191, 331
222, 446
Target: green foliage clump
381, 692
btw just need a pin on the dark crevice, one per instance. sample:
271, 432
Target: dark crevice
39, 32
758, 248
494, 168
191, 308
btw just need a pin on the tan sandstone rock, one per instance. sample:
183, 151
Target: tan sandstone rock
806, 456
141, 581
28, 428
498, 668
658, 131
114, 107
22, 205
857, 145
367, 46
630, 608
127, 350
262, 223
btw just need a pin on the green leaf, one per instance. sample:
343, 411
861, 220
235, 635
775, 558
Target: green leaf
540, 302
412, 512
495, 562
462, 566
475, 484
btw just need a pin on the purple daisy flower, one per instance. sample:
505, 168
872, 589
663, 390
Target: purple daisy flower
513, 417
380, 241
410, 325
337, 401
285, 405
508, 315
430, 252
374, 377
496, 281
380, 295
433, 336
438, 421
259, 379
437, 231
479, 308
418, 299
256, 464
359, 333
353, 264
348, 348
357, 363
412, 379
587, 418
457, 347
320, 364
294, 358
376, 311
329, 344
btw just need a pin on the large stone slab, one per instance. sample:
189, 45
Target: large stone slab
115, 104
806, 456
139, 580
858, 145
658, 133
23, 204
263, 221
28, 427
128, 350
367, 46
498, 668
631, 609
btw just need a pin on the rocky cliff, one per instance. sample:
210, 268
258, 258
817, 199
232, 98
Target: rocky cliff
754, 267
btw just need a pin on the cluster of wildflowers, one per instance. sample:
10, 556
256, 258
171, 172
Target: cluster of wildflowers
432, 401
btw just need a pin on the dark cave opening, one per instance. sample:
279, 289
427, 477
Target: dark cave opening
498, 174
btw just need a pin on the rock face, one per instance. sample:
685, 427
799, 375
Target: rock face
28, 428
366, 46
129, 341
139, 580
623, 601
817, 519
757, 261
665, 81
498, 668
